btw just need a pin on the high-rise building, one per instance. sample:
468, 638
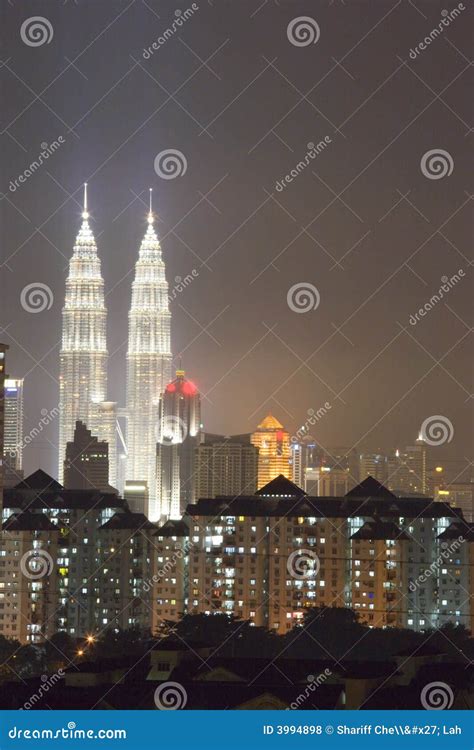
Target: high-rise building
305, 454
3, 373
105, 420
179, 427
13, 427
324, 481
86, 465
29, 577
124, 596
373, 465
137, 495
226, 466
273, 443
148, 360
83, 358
459, 495
407, 470
270, 557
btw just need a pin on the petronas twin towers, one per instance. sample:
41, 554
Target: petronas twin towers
83, 358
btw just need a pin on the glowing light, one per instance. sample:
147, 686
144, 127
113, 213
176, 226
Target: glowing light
85, 213
189, 388
439, 469
171, 388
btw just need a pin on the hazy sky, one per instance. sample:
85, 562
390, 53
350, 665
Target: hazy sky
238, 91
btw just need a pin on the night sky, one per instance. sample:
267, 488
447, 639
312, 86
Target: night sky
241, 102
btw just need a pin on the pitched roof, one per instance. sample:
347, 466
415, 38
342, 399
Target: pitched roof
270, 423
173, 528
370, 487
39, 480
378, 529
28, 521
281, 487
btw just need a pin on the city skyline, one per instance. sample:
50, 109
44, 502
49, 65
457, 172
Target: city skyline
361, 222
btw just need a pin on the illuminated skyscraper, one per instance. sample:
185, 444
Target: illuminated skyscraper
13, 430
3, 351
83, 358
178, 437
148, 360
273, 443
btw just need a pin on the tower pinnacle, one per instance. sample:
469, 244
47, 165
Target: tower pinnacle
150, 213
85, 213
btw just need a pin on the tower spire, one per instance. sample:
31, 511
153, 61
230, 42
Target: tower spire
85, 213
150, 213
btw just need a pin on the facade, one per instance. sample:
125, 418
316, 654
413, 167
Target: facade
226, 466
273, 443
407, 470
125, 556
304, 454
83, 357
269, 557
326, 481
373, 465
29, 588
170, 581
179, 430
148, 361
86, 465
77, 515
3, 373
13, 426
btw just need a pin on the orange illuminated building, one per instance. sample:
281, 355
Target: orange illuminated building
273, 443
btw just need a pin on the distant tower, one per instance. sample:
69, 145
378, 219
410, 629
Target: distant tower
86, 465
225, 466
3, 351
273, 442
303, 455
13, 431
83, 357
179, 429
148, 361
